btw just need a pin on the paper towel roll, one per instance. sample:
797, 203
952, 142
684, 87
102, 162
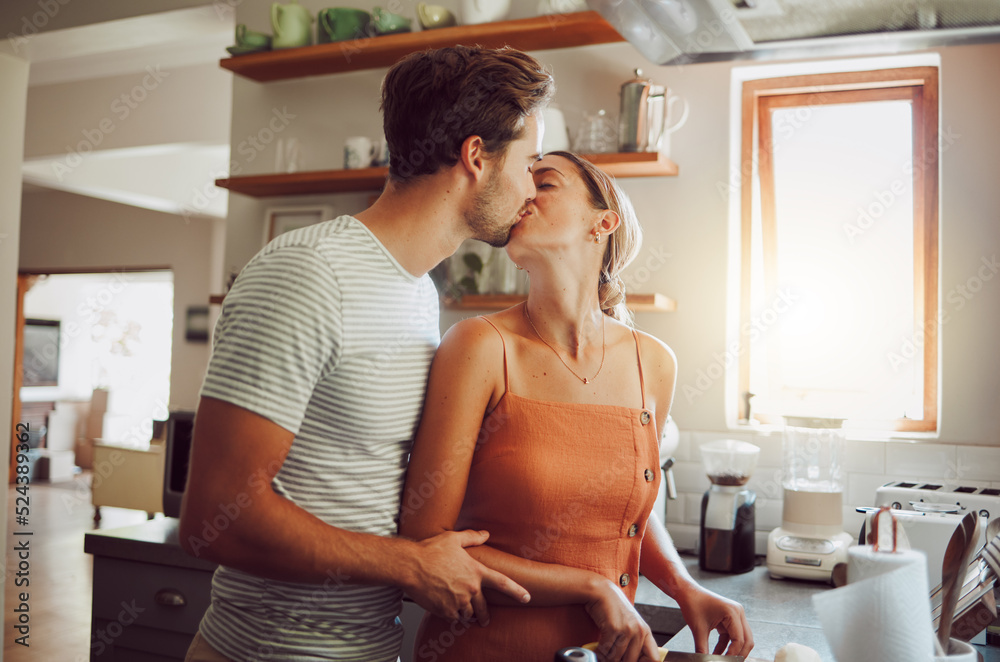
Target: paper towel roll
863, 562
883, 613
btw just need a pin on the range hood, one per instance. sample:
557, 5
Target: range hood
687, 31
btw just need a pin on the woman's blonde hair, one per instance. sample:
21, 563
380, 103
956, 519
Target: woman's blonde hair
623, 244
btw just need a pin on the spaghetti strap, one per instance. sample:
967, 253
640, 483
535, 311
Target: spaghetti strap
638, 357
506, 381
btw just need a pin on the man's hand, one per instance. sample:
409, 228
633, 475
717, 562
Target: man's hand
705, 611
624, 635
446, 581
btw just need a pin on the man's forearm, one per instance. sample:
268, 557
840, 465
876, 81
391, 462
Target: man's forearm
276, 539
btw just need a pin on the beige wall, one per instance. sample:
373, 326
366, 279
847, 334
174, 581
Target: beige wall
685, 218
156, 107
25, 18
14, 83
63, 231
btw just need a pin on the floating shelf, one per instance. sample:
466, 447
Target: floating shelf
527, 34
627, 164
636, 302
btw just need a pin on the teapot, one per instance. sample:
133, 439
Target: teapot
291, 24
644, 117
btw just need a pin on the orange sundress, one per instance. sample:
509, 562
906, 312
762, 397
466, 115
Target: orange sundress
555, 482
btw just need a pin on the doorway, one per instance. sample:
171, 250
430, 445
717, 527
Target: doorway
93, 357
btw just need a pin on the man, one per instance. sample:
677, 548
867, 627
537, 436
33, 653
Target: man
317, 378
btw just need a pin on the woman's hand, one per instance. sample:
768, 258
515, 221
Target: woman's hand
705, 611
625, 637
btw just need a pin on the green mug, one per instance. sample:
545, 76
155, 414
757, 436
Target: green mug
341, 24
386, 22
248, 38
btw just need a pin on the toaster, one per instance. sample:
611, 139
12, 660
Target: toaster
927, 531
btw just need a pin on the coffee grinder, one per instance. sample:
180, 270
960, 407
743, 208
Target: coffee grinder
811, 539
727, 509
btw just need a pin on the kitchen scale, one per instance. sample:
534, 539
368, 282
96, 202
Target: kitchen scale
811, 539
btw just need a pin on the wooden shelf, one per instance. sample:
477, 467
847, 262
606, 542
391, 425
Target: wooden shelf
637, 164
636, 302
527, 34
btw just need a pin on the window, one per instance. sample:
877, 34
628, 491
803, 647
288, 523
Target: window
838, 273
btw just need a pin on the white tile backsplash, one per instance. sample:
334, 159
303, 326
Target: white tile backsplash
978, 463
915, 459
867, 464
675, 509
767, 514
864, 456
690, 477
861, 489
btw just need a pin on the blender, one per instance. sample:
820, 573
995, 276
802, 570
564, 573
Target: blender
811, 539
727, 509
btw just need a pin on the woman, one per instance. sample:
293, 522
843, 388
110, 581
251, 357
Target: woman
541, 427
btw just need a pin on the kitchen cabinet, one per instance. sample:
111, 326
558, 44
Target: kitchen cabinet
149, 595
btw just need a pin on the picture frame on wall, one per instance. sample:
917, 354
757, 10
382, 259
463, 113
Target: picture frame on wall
279, 220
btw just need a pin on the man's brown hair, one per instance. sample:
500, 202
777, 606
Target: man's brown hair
433, 100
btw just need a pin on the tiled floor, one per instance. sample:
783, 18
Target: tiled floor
59, 573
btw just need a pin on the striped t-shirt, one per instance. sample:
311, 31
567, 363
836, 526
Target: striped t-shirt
325, 334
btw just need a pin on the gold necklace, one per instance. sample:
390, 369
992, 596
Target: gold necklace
604, 347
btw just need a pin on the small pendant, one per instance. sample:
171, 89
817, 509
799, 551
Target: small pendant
586, 381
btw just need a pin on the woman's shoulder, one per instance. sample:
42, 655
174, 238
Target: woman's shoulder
472, 337
656, 355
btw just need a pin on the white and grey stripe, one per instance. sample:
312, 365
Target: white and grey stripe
325, 334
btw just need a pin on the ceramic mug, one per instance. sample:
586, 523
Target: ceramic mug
341, 24
434, 16
247, 38
386, 22
556, 136
358, 152
291, 24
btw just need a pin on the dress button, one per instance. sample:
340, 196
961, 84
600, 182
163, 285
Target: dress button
649, 475
644, 417
624, 579
632, 530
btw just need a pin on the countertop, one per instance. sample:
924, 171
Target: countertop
779, 610
154, 541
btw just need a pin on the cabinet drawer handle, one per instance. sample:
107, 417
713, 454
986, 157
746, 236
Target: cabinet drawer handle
170, 597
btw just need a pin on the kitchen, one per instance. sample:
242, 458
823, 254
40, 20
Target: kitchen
687, 249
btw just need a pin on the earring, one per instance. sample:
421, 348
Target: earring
518, 267
597, 237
